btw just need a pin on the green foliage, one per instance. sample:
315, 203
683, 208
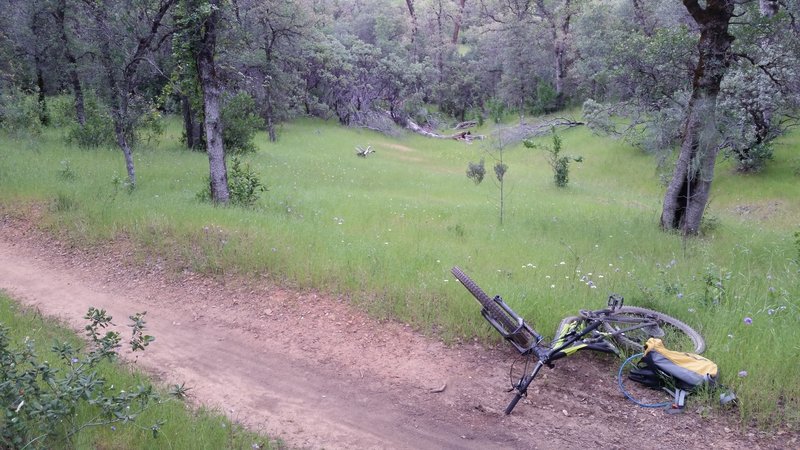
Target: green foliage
65, 172
753, 158
476, 172
558, 162
244, 186
63, 203
797, 245
497, 110
20, 113
239, 124
98, 131
42, 398
546, 98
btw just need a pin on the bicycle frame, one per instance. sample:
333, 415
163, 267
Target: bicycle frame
564, 345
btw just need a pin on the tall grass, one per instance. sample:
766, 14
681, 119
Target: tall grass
386, 229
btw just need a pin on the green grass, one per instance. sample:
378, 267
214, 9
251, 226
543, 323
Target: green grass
386, 229
182, 428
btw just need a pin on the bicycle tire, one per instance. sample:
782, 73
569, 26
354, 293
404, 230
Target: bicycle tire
678, 336
513, 404
493, 308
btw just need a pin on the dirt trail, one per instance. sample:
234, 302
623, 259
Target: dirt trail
317, 373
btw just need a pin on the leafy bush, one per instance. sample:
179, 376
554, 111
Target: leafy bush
752, 159
42, 399
497, 109
243, 184
476, 172
244, 187
20, 113
545, 98
240, 124
98, 131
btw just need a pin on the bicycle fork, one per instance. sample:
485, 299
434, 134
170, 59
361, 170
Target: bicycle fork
546, 358
522, 387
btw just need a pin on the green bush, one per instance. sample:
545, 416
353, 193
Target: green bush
240, 122
41, 399
244, 187
99, 128
753, 159
20, 113
545, 98
243, 184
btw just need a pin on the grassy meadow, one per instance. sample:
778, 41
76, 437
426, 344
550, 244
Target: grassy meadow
385, 231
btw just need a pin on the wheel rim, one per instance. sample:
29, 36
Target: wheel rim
673, 337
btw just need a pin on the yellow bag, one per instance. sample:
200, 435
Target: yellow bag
689, 370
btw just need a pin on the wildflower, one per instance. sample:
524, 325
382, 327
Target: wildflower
552, 286
561, 263
547, 276
748, 321
770, 311
590, 284
74, 360
691, 310
742, 373
680, 295
771, 290
113, 428
730, 336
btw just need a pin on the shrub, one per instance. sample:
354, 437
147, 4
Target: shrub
42, 399
20, 113
752, 159
240, 123
98, 131
546, 99
243, 184
476, 172
559, 163
244, 187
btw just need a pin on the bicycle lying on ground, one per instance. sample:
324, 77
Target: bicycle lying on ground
600, 330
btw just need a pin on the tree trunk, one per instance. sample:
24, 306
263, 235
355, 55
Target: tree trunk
688, 191
414, 30
211, 106
44, 117
77, 90
192, 125
457, 21
640, 16
119, 94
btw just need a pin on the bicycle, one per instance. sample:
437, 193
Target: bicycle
601, 330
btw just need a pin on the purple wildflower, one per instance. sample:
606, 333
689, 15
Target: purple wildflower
748, 321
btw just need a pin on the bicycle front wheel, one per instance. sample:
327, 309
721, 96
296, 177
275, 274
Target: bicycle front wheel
675, 334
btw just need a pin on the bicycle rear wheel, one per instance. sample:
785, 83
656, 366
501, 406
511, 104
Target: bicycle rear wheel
675, 334
489, 305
